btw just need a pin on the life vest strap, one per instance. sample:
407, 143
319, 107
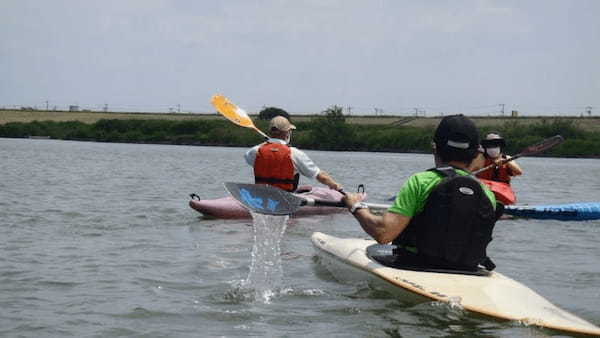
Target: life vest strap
272, 180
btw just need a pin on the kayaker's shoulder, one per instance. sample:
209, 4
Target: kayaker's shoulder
425, 177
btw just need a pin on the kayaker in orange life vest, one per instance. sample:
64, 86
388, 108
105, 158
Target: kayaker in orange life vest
494, 145
276, 163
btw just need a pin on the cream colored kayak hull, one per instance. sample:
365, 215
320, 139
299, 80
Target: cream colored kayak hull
495, 295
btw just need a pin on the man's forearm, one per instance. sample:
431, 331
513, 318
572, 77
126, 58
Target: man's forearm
324, 178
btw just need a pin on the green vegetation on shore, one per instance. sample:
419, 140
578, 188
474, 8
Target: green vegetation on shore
325, 132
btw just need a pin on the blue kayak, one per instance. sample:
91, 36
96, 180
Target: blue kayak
562, 212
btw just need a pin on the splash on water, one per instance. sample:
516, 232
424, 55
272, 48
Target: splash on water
452, 309
266, 272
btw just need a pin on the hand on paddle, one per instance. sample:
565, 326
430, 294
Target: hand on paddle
500, 161
352, 198
507, 160
324, 178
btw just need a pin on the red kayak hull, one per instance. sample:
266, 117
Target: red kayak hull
503, 192
229, 208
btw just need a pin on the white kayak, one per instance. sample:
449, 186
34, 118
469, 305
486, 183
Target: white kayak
491, 294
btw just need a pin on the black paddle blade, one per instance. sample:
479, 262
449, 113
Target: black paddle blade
265, 199
542, 146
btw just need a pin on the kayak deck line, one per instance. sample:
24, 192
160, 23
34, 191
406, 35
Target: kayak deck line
496, 296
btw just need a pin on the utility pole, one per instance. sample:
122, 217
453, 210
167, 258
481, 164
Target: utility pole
178, 108
588, 110
502, 110
349, 109
46, 105
105, 108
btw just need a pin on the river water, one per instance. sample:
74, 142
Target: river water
97, 240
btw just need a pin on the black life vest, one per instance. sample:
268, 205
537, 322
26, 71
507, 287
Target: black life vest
455, 226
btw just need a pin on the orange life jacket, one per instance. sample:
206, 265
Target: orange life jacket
274, 166
498, 174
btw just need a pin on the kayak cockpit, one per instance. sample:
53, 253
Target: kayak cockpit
385, 254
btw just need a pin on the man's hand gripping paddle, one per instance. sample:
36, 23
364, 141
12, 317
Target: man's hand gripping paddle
234, 113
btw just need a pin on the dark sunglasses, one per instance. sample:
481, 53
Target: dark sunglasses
493, 143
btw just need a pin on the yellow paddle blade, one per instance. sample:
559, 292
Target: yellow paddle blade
232, 112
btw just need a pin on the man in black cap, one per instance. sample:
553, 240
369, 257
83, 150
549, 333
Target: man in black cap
442, 218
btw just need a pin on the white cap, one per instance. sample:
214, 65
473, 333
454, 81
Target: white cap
281, 123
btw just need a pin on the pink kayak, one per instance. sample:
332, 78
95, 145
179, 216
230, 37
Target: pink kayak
229, 208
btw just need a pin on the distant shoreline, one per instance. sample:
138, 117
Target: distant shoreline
358, 134
196, 144
590, 123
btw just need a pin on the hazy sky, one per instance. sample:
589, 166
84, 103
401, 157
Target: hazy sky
303, 55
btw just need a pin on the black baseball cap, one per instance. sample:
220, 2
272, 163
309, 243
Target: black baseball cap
458, 132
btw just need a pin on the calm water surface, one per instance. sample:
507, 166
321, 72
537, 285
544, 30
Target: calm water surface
97, 240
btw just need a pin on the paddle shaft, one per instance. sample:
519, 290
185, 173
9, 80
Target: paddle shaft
260, 132
323, 203
488, 167
252, 126
377, 206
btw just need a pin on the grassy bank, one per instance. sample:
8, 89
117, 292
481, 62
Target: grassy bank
6, 116
315, 132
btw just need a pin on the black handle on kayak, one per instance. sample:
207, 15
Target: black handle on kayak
337, 204
360, 190
324, 203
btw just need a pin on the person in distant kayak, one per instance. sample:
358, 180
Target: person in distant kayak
494, 145
442, 218
276, 163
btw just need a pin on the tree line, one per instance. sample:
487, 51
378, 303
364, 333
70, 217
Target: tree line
328, 131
